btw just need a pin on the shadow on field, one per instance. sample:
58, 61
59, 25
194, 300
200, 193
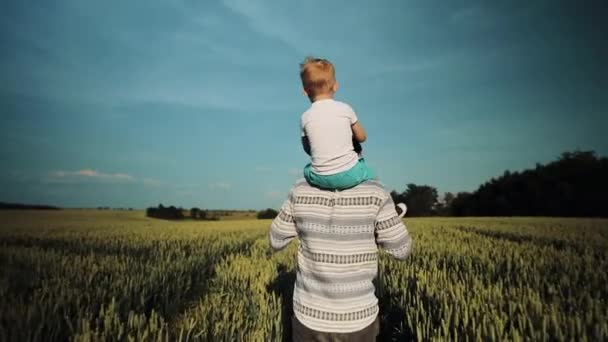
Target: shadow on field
540, 241
392, 314
283, 287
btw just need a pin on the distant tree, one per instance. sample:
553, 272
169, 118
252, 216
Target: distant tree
442, 207
446, 204
22, 206
573, 185
267, 214
448, 197
194, 213
459, 206
167, 213
199, 214
421, 200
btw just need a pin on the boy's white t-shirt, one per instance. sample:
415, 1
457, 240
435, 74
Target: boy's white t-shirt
327, 124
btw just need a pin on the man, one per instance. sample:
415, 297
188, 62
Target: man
339, 234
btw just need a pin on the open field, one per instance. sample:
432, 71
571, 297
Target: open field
89, 275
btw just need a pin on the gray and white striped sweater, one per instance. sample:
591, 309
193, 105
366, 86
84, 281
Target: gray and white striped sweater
339, 234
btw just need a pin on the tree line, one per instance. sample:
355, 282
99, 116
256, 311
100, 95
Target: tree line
574, 185
177, 213
23, 206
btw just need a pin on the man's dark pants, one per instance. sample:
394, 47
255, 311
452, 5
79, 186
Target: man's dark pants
301, 333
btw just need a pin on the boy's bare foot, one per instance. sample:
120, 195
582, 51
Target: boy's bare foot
401, 209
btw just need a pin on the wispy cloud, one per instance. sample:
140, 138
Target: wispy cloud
176, 79
273, 194
88, 175
151, 182
185, 193
266, 19
467, 13
95, 176
294, 171
420, 65
222, 185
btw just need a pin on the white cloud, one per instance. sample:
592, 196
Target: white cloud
414, 66
151, 182
269, 19
467, 13
221, 185
294, 171
273, 194
185, 193
87, 175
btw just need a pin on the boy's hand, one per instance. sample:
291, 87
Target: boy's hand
357, 146
306, 145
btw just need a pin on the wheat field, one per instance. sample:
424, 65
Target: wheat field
88, 275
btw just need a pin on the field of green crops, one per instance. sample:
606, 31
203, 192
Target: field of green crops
105, 276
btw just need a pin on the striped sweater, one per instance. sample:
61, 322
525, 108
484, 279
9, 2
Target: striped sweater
339, 233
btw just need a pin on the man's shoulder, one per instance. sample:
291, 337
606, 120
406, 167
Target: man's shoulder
300, 184
369, 185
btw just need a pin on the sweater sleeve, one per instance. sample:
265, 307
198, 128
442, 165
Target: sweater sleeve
391, 233
283, 227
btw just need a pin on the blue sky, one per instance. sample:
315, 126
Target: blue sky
197, 103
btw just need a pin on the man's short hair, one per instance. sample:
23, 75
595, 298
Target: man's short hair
318, 76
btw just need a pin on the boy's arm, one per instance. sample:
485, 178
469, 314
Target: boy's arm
305, 141
306, 144
358, 132
357, 146
283, 227
391, 233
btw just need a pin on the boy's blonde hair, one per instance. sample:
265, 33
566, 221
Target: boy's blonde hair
318, 76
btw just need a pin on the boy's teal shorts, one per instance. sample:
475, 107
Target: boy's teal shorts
343, 180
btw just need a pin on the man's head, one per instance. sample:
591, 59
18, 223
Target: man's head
318, 78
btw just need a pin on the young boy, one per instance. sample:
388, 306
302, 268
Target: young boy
331, 133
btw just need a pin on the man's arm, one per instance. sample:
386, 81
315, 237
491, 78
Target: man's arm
391, 233
283, 227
